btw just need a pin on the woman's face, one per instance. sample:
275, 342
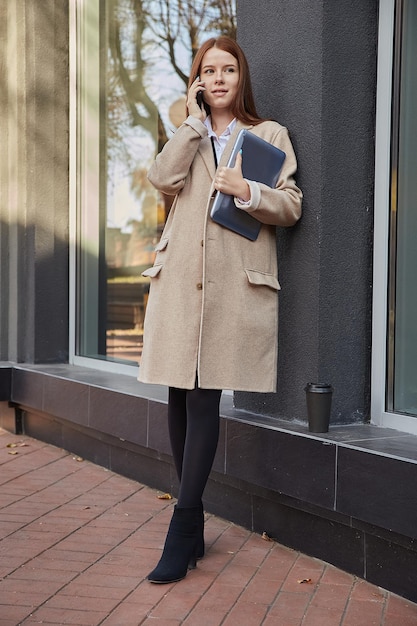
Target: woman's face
220, 72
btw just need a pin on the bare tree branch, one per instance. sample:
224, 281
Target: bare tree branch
168, 24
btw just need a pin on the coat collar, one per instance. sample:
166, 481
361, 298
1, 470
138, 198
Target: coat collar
206, 149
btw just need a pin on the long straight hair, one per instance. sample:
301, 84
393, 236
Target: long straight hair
243, 108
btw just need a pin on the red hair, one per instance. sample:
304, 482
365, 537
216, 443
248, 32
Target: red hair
244, 108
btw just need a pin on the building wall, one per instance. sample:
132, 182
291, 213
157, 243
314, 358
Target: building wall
316, 73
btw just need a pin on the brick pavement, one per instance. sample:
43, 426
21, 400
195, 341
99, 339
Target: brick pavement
77, 541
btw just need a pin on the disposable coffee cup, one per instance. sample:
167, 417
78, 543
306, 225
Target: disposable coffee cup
319, 404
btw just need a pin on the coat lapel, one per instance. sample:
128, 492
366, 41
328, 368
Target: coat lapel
206, 149
229, 146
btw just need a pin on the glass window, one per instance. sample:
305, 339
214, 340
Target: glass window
402, 352
133, 60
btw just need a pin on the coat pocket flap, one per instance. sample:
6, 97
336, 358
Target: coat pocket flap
162, 244
153, 271
262, 278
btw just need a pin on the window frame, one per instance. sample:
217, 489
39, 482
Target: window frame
84, 128
385, 163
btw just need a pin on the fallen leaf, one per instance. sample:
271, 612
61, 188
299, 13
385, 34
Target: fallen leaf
11, 445
13, 452
78, 458
266, 537
165, 496
304, 580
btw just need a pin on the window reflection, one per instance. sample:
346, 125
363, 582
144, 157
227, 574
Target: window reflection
402, 387
145, 59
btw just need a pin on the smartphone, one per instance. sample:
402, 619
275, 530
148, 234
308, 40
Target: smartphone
200, 101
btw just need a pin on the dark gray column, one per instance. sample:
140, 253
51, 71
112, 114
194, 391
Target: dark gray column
314, 70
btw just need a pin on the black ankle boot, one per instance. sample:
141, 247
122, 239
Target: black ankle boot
200, 550
180, 547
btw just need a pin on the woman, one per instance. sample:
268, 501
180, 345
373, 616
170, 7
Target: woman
212, 314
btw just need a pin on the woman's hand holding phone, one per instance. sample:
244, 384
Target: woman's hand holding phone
195, 104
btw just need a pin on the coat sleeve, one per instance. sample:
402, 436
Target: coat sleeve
280, 206
171, 166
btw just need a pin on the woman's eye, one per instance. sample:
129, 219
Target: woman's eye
208, 71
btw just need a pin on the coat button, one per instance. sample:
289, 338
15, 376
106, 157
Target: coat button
199, 286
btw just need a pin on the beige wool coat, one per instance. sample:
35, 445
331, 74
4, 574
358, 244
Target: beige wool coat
213, 301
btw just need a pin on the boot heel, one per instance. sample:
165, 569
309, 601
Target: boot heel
200, 548
192, 563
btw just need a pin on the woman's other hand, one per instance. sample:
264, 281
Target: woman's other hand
193, 106
229, 180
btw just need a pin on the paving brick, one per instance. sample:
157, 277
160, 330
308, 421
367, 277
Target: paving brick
127, 571
80, 590
150, 621
252, 553
363, 590
23, 598
8, 498
29, 573
8, 528
393, 620
365, 612
13, 584
12, 614
324, 616
109, 580
80, 546
304, 569
57, 559
235, 574
220, 597
129, 615
46, 615
204, 617
20, 548
332, 596
178, 604
102, 522
229, 543
278, 563
246, 614
289, 621
289, 604
82, 603
260, 591
400, 612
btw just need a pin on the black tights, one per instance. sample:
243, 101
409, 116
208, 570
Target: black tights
193, 421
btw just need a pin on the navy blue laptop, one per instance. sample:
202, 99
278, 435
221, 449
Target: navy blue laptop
261, 162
